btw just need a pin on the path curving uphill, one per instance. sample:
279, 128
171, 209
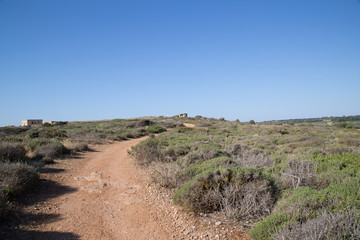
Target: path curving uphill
104, 195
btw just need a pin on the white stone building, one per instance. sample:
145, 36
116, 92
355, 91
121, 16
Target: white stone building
30, 122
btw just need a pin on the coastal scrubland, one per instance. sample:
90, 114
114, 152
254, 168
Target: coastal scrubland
293, 180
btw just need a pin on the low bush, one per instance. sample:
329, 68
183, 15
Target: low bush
336, 169
167, 175
147, 151
143, 123
33, 144
269, 226
244, 192
51, 150
334, 226
155, 129
79, 147
11, 152
299, 173
17, 178
11, 131
32, 133
49, 132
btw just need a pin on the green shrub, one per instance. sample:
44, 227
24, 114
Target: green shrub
11, 152
336, 169
32, 145
283, 131
269, 226
306, 203
52, 133
155, 129
60, 123
10, 131
32, 134
221, 161
17, 178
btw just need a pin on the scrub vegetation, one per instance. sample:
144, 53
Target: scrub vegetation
293, 180
24, 150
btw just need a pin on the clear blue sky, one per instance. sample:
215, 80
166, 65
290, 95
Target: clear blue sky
238, 59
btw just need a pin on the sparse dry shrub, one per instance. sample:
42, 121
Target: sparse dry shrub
249, 157
299, 173
87, 137
240, 192
17, 178
79, 147
354, 142
11, 152
334, 226
205, 153
258, 161
250, 201
237, 150
147, 151
166, 174
51, 150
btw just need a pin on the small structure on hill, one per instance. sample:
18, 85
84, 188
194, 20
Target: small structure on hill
183, 115
30, 122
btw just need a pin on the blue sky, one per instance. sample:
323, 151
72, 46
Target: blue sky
238, 59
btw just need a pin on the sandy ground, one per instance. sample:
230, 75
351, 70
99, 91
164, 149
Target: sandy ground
190, 125
105, 195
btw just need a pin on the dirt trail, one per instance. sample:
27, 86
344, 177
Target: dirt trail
104, 195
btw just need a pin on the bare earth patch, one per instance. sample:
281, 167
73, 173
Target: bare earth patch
104, 195
189, 125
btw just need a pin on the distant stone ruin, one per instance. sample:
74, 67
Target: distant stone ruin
183, 115
30, 122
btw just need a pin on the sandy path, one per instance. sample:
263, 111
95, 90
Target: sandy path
104, 195
110, 201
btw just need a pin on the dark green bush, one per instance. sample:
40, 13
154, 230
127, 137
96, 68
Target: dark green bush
4, 205
11, 152
155, 129
143, 123
32, 133
61, 123
269, 226
17, 178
